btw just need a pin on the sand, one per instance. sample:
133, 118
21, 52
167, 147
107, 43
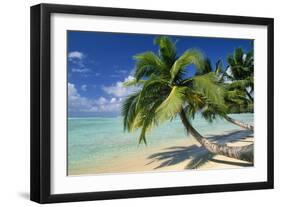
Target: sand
175, 156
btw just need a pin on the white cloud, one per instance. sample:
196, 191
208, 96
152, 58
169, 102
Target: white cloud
71, 90
84, 87
78, 60
118, 89
93, 109
113, 100
80, 70
116, 92
101, 101
78, 103
75, 55
106, 105
75, 101
129, 78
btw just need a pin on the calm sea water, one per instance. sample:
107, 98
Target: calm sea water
93, 140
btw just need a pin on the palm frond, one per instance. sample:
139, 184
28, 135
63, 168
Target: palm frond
172, 104
218, 69
238, 55
146, 64
153, 89
207, 84
206, 67
211, 111
167, 49
235, 96
189, 57
129, 111
196, 102
230, 60
134, 82
148, 121
249, 58
240, 84
241, 64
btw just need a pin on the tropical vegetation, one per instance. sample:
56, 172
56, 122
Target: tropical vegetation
236, 95
165, 92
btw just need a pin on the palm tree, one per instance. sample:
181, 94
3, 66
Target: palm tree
165, 93
241, 69
234, 95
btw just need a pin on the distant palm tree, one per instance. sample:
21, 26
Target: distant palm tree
241, 69
234, 95
165, 92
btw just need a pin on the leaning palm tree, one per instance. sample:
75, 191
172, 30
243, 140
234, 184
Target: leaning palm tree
165, 93
234, 95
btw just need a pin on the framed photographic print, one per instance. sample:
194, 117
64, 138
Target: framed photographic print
133, 103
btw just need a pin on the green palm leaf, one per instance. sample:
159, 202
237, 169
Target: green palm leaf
241, 84
218, 69
189, 57
148, 121
134, 82
167, 49
153, 89
238, 55
207, 84
129, 111
172, 104
206, 67
148, 63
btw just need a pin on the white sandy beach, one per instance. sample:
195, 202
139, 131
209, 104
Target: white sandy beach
177, 155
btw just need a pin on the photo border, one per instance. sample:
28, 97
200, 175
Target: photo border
40, 184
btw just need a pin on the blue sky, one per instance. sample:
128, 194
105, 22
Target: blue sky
99, 62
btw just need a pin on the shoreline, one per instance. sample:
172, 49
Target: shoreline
177, 155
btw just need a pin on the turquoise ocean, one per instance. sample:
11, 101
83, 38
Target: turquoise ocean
94, 141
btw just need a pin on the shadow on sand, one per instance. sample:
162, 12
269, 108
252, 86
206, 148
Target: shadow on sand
198, 155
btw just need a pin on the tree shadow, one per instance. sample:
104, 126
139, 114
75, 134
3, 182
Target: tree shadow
240, 164
231, 136
198, 156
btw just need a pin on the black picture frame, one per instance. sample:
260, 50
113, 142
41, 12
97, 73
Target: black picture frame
41, 96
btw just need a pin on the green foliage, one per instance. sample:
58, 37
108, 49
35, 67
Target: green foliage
172, 104
241, 64
139, 109
237, 109
167, 50
148, 63
235, 81
129, 111
148, 121
189, 57
207, 84
164, 92
241, 84
206, 67
218, 69
133, 82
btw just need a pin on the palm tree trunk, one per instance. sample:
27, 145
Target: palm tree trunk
242, 153
238, 123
